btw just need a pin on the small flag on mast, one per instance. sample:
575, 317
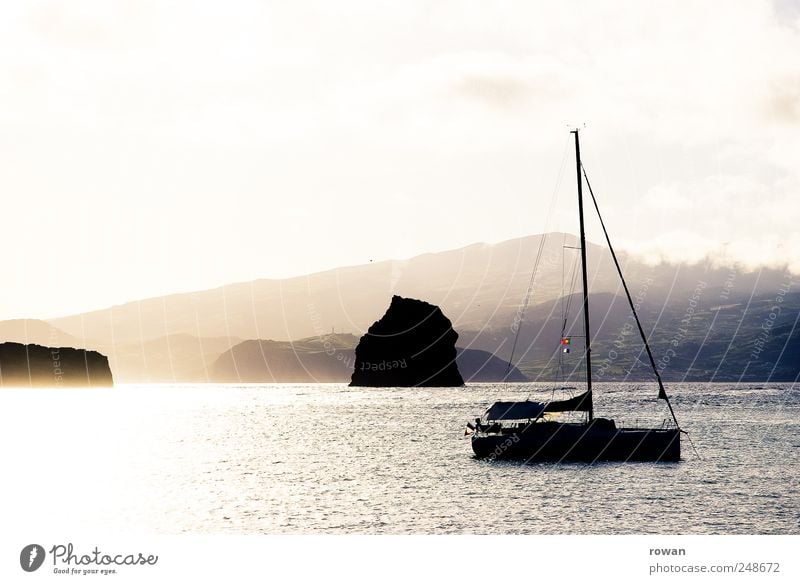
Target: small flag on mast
565, 343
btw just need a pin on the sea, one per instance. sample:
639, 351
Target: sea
327, 458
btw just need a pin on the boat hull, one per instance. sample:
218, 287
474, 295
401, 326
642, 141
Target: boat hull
561, 442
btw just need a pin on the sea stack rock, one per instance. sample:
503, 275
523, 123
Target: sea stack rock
412, 345
38, 366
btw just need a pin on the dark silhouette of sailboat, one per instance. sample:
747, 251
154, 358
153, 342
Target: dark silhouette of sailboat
522, 430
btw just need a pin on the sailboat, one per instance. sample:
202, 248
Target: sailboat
527, 430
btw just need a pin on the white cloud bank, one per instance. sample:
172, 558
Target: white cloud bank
150, 147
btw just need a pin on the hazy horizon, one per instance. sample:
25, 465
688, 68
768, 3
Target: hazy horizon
152, 149
716, 262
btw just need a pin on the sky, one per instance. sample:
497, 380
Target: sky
151, 147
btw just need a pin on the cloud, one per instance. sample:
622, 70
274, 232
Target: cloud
726, 218
783, 102
507, 94
182, 119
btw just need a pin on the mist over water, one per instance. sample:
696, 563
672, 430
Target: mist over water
271, 459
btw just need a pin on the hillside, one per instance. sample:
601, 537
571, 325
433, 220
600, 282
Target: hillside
700, 340
480, 288
172, 358
327, 359
476, 285
38, 332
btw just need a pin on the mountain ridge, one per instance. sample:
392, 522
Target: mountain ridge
481, 287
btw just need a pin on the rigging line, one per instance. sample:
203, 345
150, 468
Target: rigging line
525, 305
574, 277
569, 296
563, 278
560, 370
542, 241
566, 303
692, 443
661, 391
660, 314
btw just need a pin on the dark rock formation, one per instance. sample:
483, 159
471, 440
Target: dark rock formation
38, 366
412, 345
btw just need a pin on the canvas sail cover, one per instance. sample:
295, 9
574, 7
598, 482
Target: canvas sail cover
524, 410
527, 410
579, 403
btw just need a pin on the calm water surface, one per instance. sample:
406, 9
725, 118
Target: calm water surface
332, 459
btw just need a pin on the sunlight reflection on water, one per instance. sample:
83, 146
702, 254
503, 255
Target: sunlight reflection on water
328, 458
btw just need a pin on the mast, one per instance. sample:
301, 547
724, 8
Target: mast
586, 333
